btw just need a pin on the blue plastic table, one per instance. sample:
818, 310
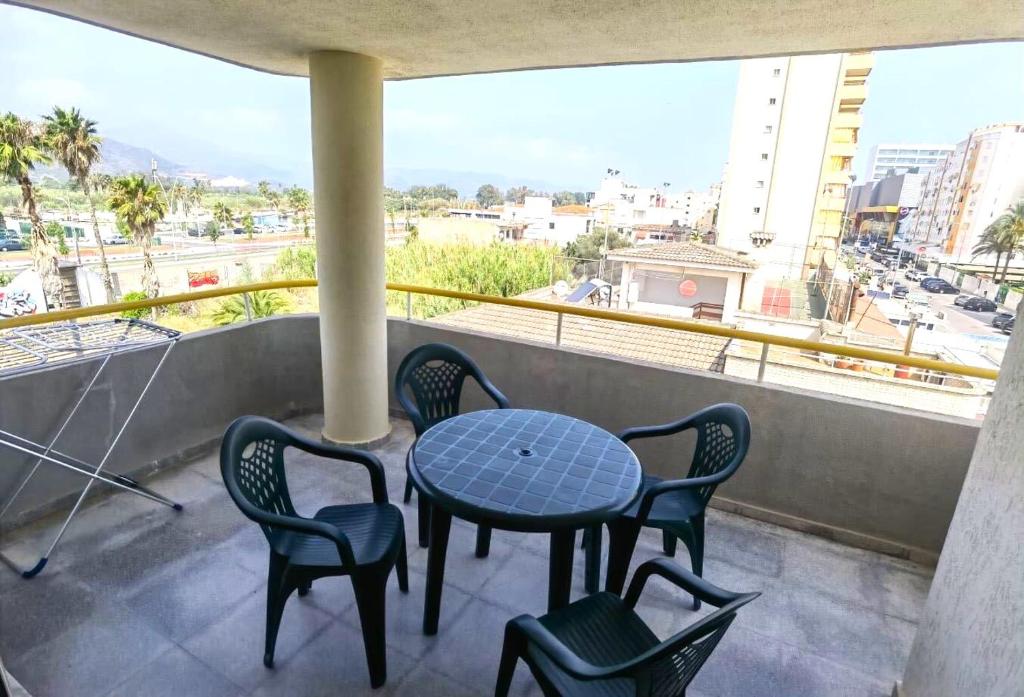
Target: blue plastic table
522, 470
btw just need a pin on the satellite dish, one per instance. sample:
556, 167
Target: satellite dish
561, 289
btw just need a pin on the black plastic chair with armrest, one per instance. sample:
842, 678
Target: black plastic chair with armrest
598, 645
677, 506
363, 540
428, 385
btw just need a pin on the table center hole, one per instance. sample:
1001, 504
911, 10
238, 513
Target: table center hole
524, 452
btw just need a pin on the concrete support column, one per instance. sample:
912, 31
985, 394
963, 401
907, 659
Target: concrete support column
346, 96
970, 640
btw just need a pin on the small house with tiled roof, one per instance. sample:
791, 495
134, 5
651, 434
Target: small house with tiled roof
683, 279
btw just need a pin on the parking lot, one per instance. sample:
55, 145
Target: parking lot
956, 320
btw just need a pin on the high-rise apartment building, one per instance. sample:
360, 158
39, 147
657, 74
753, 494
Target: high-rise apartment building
794, 134
973, 186
900, 158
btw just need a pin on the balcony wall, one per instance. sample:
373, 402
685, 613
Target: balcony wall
869, 475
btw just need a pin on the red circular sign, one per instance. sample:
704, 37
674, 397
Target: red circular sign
688, 288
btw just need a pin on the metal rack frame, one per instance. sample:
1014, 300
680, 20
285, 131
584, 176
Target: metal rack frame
30, 349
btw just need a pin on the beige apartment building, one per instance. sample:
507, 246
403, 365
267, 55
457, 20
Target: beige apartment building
794, 135
973, 186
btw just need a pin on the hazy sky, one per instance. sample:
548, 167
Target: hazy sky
655, 123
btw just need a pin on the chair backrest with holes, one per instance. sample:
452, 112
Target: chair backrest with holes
434, 374
252, 464
668, 675
723, 438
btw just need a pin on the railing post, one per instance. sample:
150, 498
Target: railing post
408, 305
558, 330
764, 362
248, 307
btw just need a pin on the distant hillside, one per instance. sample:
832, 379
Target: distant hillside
123, 158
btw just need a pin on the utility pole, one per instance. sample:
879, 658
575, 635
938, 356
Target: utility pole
914, 318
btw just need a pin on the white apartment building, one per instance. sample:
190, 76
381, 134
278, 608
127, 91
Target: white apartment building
622, 205
794, 134
538, 220
900, 158
973, 186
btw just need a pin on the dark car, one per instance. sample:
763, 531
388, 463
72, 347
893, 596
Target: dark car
11, 244
1001, 318
899, 290
980, 305
961, 300
931, 279
942, 288
1008, 327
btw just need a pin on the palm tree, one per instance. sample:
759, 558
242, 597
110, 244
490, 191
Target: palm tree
1012, 225
263, 188
222, 214
140, 205
21, 149
298, 199
262, 303
73, 142
990, 242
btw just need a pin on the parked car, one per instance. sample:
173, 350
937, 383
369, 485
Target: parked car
899, 290
980, 305
931, 282
1008, 327
962, 299
918, 298
942, 287
11, 243
1001, 318
913, 275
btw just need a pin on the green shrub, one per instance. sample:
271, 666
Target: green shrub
132, 297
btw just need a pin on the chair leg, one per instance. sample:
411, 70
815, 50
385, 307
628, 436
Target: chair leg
369, 587
407, 496
277, 596
402, 568
510, 652
483, 541
668, 543
697, 551
305, 588
424, 520
622, 536
592, 542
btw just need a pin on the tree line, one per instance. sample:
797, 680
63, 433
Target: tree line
67, 138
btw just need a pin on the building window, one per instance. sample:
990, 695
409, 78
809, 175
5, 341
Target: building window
551, 226
771, 100
757, 209
777, 72
768, 129
764, 156
759, 184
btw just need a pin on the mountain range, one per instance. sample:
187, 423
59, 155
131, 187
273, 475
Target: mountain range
123, 158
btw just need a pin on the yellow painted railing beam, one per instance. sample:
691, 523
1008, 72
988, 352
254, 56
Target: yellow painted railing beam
891, 357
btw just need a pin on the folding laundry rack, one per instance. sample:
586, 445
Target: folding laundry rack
30, 349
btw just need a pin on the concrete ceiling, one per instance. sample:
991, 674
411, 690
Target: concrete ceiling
421, 38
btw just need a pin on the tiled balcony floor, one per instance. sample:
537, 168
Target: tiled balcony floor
142, 602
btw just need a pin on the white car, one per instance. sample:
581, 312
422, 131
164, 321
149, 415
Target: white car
917, 299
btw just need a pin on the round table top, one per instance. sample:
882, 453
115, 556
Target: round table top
525, 469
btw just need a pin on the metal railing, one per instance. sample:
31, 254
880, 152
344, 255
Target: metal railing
766, 340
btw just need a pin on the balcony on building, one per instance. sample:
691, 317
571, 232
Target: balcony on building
884, 539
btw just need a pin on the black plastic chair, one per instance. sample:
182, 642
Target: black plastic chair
363, 540
598, 645
677, 506
434, 375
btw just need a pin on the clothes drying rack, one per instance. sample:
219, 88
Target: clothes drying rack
30, 349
